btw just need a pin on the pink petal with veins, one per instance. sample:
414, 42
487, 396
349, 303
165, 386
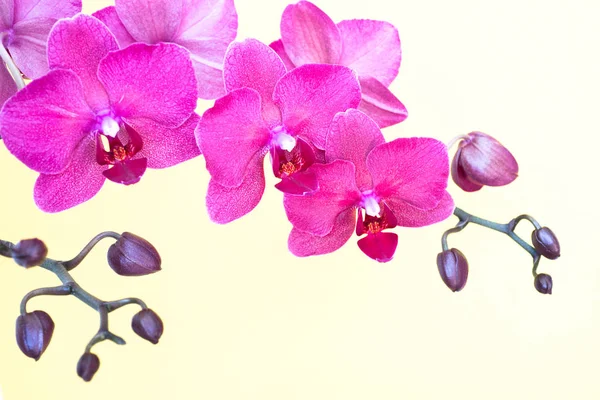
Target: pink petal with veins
156, 82
459, 175
151, 21
8, 87
412, 217
45, 121
317, 212
311, 95
256, 66
304, 244
309, 35
228, 204
79, 44
280, 50
351, 137
231, 134
110, 18
75, 185
379, 103
165, 147
413, 170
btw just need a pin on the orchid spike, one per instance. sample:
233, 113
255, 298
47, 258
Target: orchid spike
371, 48
268, 111
100, 113
400, 183
203, 27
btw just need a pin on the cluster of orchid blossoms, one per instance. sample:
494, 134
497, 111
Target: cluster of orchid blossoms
115, 93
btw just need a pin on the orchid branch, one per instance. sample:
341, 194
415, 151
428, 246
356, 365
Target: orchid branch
130, 255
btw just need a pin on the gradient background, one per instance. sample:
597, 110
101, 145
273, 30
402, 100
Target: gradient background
244, 319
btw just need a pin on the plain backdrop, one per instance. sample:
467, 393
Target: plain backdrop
245, 319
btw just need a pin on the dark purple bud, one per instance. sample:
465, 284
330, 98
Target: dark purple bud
543, 283
148, 325
482, 161
454, 269
34, 331
29, 252
88, 366
546, 243
133, 256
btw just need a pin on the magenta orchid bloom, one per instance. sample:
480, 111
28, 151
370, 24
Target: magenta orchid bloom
400, 183
371, 48
100, 113
268, 111
204, 27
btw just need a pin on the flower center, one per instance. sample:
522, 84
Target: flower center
370, 203
282, 139
377, 216
109, 126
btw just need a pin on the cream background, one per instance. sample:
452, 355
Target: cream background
244, 319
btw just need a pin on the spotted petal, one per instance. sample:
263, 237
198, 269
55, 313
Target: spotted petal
317, 212
44, 122
413, 170
110, 18
7, 84
412, 217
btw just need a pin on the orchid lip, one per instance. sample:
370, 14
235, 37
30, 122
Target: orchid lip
282, 139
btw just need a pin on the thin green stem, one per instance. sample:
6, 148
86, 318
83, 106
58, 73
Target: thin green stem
71, 264
63, 290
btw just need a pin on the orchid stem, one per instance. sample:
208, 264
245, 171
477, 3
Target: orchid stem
12, 68
507, 229
455, 139
71, 264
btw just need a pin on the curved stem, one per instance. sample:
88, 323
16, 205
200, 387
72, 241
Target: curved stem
115, 305
63, 290
520, 218
455, 139
459, 227
71, 264
504, 228
10, 64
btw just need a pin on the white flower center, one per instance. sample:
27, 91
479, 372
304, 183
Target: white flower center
371, 206
109, 126
282, 139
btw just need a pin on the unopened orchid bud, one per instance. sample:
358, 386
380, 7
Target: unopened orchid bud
34, 331
546, 243
454, 269
482, 161
29, 252
88, 366
543, 283
133, 256
148, 325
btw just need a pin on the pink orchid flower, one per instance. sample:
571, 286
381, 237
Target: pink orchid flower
371, 48
204, 27
100, 113
24, 28
400, 183
268, 111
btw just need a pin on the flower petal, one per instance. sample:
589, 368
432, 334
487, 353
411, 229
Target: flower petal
256, 66
127, 172
7, 15
412, 217
165, 147
304, 244
371, 48
28, 46
45, 121
228, 204
311, 95
309, 35
379, 246
110, 18
8, 87
280, 50
298, 183
75, 185
231, 134
79, 44
150, 21
414, 170
207, 29
56, 9
317, 212
460, 177
379, 103
351, 137
150, 81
